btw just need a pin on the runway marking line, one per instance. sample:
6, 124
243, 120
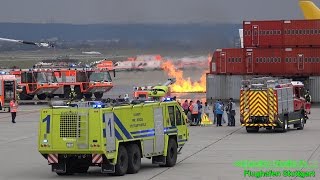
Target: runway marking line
211, 144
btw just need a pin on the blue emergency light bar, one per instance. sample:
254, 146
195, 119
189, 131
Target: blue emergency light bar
98, 104
167, 99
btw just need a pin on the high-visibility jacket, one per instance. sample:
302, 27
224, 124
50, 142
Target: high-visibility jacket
13, 106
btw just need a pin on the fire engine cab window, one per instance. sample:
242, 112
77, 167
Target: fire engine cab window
81, 77
27, 78
41, 77
171, 115
178, 117
8, 89
99, 76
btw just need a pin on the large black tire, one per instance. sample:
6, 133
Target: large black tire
172, 153
23, 94
69, 170
285, 124
88, 95
42, 96
50, 96
134, 158
79, 94
253, 129
301, 125
98, 95
122, 161
30, 96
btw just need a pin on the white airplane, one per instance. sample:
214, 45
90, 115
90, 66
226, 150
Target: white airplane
41, 44
92, 52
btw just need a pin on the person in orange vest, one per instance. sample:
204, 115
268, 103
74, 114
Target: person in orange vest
13, 110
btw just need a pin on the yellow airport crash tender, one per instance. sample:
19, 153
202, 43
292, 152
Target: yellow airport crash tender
113, 137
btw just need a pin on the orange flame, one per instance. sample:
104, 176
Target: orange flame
181, 84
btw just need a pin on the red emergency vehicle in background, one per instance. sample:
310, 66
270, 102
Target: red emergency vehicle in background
85, 82
39, 82
141, 92
157, 91
8, 84
105, 64
281, 33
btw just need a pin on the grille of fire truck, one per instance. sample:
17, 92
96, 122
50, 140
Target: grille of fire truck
69, 125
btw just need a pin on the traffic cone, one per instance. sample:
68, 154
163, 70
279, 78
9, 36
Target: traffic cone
205, 120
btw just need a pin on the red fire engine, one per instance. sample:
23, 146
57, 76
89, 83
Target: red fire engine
8, 85
267, 61
85, 82
40, 82
272, 103
281, 33
105, 64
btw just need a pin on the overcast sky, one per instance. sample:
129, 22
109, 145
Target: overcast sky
147, 11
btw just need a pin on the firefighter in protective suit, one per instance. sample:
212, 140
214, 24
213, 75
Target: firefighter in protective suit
72, 95
307, 97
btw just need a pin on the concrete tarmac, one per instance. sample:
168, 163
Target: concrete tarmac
209, 154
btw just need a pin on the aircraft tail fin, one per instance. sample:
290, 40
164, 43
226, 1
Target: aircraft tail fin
309, 9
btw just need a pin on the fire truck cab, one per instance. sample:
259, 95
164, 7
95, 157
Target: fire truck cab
40, 82
8, 85
85, 82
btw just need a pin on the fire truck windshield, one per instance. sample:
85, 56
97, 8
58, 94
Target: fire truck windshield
45, 77
100, 76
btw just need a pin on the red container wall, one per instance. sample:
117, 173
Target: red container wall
286, 61
267, 61
262, 34
303, 61
303, 33
282, 33
229, 61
